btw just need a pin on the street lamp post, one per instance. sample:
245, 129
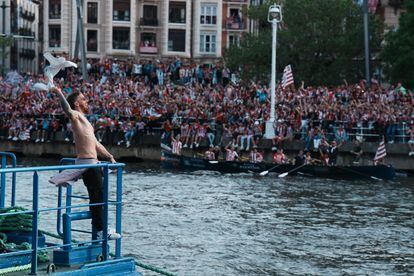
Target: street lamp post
366, 42
274, 16
3, 48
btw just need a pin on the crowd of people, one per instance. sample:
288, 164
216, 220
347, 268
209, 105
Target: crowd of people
203, 104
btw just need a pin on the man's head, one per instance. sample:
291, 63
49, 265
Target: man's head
78, 102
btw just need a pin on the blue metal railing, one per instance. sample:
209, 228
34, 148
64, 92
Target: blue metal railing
35, 208
4, 156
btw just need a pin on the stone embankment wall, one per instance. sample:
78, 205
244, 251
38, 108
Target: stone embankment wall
149, 150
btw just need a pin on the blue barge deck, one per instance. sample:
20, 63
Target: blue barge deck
68, 257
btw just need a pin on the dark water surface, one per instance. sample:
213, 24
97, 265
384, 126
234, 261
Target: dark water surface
211, 224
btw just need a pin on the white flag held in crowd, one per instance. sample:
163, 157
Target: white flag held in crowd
381, 152
287, 78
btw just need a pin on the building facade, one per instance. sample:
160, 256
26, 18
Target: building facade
198, 29
22, 24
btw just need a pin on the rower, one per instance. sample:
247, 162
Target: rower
309, 160
357, 152
209, 154
333, 153
324, 157
279, 157
255, 156
231, 154
300, 158
176, 145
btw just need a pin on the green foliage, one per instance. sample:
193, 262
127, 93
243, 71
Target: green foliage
323, 40
398, 52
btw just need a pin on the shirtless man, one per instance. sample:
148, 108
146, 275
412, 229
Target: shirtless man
87, 149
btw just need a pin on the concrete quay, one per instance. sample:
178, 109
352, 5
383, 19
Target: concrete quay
149, 150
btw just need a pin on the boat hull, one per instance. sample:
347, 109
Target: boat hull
183, 163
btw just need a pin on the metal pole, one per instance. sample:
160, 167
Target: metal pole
81, 39
3, 47
270, 133
366, 39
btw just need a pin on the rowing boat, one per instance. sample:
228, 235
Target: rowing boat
174, 162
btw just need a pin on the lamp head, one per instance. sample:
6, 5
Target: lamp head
275, 13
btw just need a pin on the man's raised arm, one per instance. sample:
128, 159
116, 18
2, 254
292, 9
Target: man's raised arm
63, 102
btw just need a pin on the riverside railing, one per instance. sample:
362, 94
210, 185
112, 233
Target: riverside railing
35, 211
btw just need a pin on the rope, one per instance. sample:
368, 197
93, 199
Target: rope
17, 222
14, 269
154, 269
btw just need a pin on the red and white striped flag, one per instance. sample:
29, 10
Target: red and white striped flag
381, 152
287, 78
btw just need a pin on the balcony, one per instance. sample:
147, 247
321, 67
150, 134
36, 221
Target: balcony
148, 22
54, 15
30, 16
27, 53
234, 24
26, 32
148, 49
54, 43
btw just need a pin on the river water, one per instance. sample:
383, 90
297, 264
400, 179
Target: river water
212, 224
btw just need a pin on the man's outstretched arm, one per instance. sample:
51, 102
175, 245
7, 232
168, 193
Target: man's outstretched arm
63, 102
103, 152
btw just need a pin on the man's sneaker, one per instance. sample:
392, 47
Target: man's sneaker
112, 235
67, 139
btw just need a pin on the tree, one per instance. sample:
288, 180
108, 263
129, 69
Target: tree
323, 40
398, 51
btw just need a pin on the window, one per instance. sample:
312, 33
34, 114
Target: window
149, 17
234, 40
177, 12
54, 9
92, 41
148, 43
121, 10
208, 15
208, 43
92, 12
54, 35
148, 40
176, 40
234, 21
120, 38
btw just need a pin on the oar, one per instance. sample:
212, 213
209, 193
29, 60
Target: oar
360, 173
263, 173
292, 170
